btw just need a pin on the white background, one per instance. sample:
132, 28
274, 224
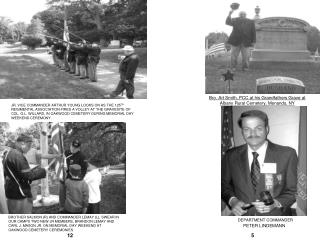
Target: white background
173, 142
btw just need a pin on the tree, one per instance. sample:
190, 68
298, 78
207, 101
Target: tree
34, 131
20, 30
31, 42
4, 126
101, 20
36, 28
92, 10
216, 37
127, 19
101, 142
4, 28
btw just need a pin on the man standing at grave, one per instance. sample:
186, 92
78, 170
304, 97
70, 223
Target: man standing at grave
249, 170
242, 37
18, 176
127, 69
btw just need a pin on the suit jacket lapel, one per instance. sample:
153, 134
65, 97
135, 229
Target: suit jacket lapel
270, 158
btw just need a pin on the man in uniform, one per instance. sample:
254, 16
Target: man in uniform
72, 59
127, 68
258, 166
81, 59
18, 176
54, 49
60, 54
93, 60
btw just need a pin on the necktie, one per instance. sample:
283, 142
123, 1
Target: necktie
255, 170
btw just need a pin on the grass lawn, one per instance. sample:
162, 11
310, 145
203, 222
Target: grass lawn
113, 196
245, 82
29, 78
112, 55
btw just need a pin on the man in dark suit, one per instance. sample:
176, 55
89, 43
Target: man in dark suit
258, 166
243, 37
127, 69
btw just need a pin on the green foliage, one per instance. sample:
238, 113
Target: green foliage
31, 41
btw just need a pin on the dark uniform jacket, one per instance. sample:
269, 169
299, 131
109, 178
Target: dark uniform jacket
244, 31
60, 49
128, 67
71, 54
82, 54
16, 166
93, 54
236, 179
76, 158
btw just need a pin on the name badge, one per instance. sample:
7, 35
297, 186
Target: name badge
268, 168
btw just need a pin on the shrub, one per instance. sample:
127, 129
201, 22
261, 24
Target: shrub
31, 42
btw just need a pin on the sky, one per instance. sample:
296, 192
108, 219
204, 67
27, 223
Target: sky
21, 10
216, 11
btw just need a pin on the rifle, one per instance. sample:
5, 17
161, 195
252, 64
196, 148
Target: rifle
71, 33
56, 38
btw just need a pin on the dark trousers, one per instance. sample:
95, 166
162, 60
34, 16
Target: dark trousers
93, 208
62, 194
67, 212
122, 85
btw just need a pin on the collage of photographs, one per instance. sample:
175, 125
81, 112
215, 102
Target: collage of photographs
224, 126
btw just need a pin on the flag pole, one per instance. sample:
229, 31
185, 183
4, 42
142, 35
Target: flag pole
44, 162
62, 152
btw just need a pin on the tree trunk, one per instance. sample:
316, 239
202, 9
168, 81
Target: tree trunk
97, 19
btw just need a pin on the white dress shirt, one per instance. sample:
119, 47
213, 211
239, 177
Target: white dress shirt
262, 153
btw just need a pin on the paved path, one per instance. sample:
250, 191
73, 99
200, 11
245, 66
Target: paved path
108, 76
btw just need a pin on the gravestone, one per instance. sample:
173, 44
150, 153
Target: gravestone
281, 41
114, 44
279, 85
